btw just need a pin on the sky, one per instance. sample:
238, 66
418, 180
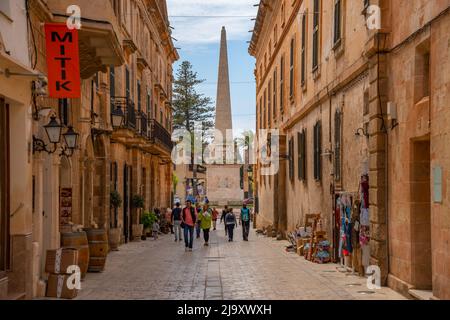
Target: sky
197, 26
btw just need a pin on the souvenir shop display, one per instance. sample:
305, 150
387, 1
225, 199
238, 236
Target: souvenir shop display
352, 228
322, 254
310, 240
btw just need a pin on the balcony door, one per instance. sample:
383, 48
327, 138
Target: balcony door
127, 83
4, 188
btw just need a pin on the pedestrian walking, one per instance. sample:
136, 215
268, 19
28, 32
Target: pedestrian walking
206, 200
230, 224
245, 218
155, 230
189, 219
205, 221
215, 216
176, 221
169, 219
198, 210
222, 218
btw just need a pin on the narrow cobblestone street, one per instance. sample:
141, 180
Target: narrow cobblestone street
258, 269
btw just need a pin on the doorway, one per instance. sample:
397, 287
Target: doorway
420, 173
126, 190
4, 188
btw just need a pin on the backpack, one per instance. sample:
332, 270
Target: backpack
245, 212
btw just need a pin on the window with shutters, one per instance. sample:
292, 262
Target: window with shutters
265, 108
282, 85
291, 69
337, 144
303, 49
260, 113
337, 22
139, 100
114, 217
149, 105
318, 151
366, 102
301, 141
275, 94
112, 85
291, 159
316, 35
269, 104
127, 83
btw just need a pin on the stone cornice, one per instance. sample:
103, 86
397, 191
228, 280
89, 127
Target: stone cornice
159, 15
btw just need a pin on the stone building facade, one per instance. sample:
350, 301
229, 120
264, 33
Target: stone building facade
352, 100
126, 57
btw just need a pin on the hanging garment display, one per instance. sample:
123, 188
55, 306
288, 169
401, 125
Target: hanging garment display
348, 238
364, 235
356, 224
365, 218
364, 187
365, 255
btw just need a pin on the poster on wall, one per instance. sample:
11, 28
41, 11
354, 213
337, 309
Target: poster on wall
65, 206
63, 61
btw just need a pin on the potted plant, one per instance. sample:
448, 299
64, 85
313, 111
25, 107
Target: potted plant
138, 204
138, 201
115, 199
114, 233
147, 220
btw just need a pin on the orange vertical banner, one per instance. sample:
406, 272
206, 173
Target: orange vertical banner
63, 61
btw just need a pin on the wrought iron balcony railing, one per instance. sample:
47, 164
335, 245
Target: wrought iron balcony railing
159, 135
143, 124
127, 106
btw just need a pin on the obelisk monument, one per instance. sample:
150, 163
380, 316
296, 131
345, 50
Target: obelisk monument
223, 180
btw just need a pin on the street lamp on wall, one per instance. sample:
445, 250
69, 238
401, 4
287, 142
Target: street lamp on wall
54, 130
71, 139
117, 118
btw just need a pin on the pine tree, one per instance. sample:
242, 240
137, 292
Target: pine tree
190, 106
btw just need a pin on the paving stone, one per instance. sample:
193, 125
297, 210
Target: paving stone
258, 269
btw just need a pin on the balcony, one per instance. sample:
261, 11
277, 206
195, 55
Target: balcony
160, 136
100, 43
143, 124
162, 93
127, 106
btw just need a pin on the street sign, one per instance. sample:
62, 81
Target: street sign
63, 61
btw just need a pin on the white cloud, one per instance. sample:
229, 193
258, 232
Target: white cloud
196, 29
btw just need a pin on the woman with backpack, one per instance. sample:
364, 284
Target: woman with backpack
230, 224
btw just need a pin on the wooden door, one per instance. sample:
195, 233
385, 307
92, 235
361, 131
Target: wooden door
4, 189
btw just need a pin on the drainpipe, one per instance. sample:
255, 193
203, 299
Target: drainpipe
384, 129
333, 186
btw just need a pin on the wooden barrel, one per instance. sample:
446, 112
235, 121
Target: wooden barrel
98, 249
79, 241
